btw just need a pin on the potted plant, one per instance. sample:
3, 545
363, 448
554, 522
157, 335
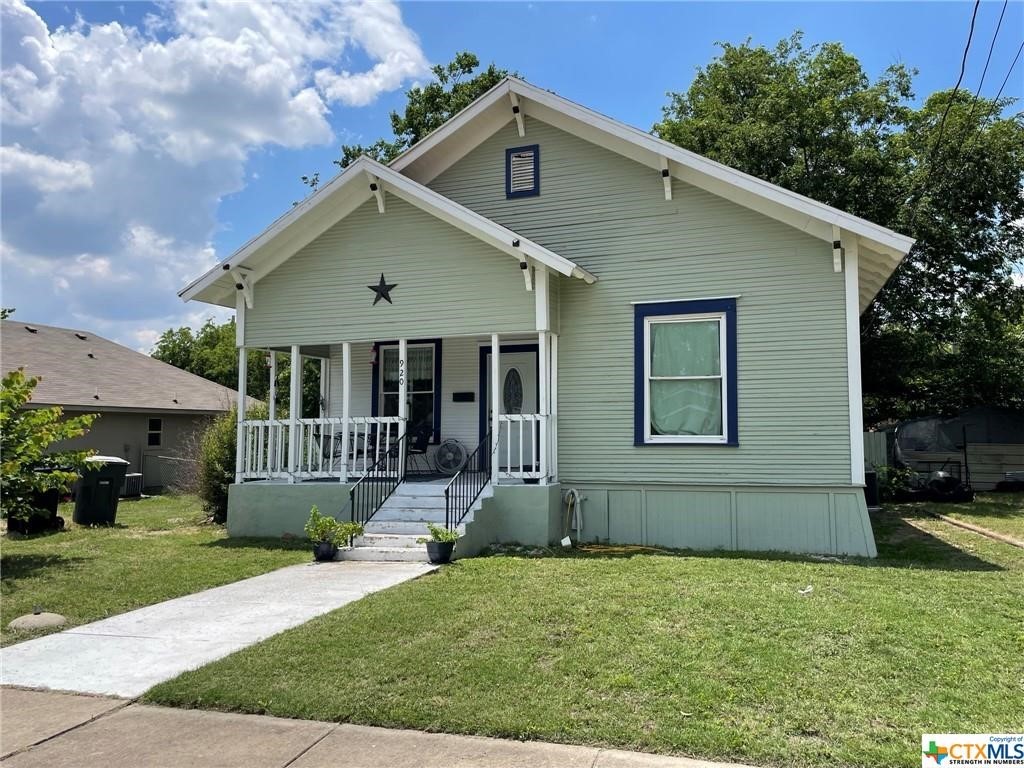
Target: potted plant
441, 543
326, 532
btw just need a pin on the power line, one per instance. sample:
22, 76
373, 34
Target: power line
991, 47
952, 96
1012, 65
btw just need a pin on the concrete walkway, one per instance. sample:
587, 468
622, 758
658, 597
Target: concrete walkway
41, 729
127, 654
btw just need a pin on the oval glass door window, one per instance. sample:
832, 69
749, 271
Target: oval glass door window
512, 391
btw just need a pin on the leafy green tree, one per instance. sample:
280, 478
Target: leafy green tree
454, 88
28, 464
810, 120
211, 353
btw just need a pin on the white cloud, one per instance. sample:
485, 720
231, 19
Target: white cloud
44, 173
120, 141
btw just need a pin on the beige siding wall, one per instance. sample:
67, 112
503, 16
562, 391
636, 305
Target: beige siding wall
448, 283
609, 214
124, 434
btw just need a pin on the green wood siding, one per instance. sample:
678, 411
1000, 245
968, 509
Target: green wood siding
449, 283
609, 214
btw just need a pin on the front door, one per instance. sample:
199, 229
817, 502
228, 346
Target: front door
518, 392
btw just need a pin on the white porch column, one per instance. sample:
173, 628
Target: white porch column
403, 405
294, 413
851, 284
240, 457
553, 395
495, 404
346, 397
543, 407
272, 465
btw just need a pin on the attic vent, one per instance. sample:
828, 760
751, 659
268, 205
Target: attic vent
81, 336
30, 329
522, 171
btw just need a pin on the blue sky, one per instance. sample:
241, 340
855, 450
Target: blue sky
618, 58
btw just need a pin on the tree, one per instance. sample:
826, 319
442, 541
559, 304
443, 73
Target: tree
810, 120
211, 353
428, 108
28, 465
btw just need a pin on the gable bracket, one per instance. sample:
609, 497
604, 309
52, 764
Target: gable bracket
517, 112
837, 250
666, 178
377, 190
243, 282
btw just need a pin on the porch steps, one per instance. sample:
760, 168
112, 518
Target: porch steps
391, 534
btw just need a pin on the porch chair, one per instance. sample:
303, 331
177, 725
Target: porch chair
416, 450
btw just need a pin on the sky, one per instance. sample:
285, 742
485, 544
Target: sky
141, 143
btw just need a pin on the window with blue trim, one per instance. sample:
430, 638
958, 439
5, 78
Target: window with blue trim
685, 368
423, 384
522, 171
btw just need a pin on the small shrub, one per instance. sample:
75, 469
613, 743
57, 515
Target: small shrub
895, 483
216, 470
323, 528
440, 533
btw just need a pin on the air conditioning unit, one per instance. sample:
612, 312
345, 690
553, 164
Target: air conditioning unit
132, 486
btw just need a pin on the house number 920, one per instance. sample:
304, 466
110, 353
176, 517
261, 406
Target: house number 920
401, 372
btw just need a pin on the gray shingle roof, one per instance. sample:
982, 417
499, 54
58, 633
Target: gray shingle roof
82, 370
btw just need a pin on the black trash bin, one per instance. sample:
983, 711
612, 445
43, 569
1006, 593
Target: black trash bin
871, 487
45, 517
99, 489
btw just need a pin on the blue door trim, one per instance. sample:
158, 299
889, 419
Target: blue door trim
435, 438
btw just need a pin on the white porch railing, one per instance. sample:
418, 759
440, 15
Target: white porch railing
265, 442
518, 447
320, 447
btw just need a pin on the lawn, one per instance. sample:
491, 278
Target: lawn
160, 548
999, 512
715, 656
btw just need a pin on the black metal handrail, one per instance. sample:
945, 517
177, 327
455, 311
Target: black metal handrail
462, 490
378, 483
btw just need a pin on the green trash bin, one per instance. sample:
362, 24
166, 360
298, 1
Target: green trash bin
99, 489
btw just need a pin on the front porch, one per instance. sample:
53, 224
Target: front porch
390, 410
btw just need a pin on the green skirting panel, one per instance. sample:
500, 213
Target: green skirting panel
280, 509
515, 514
809, 520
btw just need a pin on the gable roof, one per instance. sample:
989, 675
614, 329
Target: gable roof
333, 202
81, 370
881, 249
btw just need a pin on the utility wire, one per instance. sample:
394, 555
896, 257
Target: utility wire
1012, 65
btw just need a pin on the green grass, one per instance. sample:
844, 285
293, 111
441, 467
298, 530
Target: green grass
716, 656
160, 548
999, 512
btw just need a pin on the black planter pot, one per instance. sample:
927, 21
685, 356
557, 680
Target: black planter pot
440, 552
324, 551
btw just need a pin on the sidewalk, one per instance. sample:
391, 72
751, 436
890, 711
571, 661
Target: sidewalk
128, 654
43, 729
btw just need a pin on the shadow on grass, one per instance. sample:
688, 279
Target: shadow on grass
16, 566
276, 545
900, 545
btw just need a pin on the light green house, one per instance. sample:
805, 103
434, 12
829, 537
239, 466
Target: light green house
537, 303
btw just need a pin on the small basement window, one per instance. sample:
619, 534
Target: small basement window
522, 171
154, 435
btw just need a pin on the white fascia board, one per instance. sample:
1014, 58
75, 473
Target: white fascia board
473, 223
690, 167
348, 191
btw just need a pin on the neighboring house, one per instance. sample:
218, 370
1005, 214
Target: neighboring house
676, 340
147, 409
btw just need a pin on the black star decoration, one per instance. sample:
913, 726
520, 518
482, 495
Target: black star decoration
383, 290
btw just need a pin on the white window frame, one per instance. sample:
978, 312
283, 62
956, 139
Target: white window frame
723, 377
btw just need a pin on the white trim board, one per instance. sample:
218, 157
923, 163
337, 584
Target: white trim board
882, 248
340, 197
695, 298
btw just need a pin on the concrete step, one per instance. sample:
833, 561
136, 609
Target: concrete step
399, 528
411, 515
388, 540
385, 554
432, 488
414, 502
